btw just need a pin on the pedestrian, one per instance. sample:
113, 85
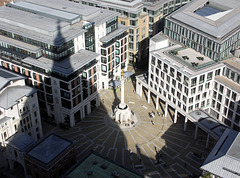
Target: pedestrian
185, 164
103, 101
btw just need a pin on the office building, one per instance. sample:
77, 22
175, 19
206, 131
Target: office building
143, 17
67, 51
210, 27
20, 121
51, 157
183, 78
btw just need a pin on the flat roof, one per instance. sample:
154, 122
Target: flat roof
20, 141
186, 66
228, 82
217, 25
87, 13
96, 166
49, 148
224, 158
233, 62
37, 27
67, 65
19, 44
47, 11
121, 29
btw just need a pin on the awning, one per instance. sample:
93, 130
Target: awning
114, 83
127, 74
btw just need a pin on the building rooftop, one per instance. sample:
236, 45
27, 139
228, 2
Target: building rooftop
87, 13
207, 123
121, 29
49, 148
7, 76
96, 166
53, 22
12, 94
190, 65
233, 62
228, 82
46, 11
19, 44
224, 158
67, 65
20, 141
217, 18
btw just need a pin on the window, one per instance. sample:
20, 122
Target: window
194, 82
209, 76
193, 90
202, 78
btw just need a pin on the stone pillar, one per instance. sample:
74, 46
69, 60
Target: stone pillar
185, 123
207, 141
140, 89
89, 108
196, 130
148, 97
157, 103
175, 117
165, 110
97, 101
83, 112
72, 121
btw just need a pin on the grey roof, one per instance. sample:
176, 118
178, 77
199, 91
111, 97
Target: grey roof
19, 44
226, 23
114, 83
121, 29
66, 66
207, 123
224, 158
20, 141
37, 27
87, 13
133, 6
46, 11
12, 94
49, 148
228, 82
7, 76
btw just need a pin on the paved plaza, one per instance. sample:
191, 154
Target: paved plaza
161, 149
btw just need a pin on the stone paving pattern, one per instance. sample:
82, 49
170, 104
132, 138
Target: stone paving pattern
96, 132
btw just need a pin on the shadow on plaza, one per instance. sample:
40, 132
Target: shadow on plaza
172, 157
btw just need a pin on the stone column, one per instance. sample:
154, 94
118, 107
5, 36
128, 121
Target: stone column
148, 97
196, 130
185, 123
165, 110
175, 116
72, 121
157, 102
207, 141
140, 89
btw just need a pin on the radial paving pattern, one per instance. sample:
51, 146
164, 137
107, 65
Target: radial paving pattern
97, 133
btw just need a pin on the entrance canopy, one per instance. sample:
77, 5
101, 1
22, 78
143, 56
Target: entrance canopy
128, 74
114, 83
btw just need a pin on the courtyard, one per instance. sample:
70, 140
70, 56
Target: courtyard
155, 147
